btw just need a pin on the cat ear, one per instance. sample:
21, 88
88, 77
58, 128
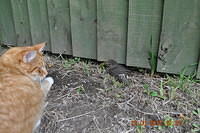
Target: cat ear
40, 46
29, 56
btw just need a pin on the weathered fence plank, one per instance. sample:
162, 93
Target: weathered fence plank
143, 31
180, 41
21, 22
59, 21
39, 24
112, 19
83, 28
198, 71
7, 30
2, 50
126, 31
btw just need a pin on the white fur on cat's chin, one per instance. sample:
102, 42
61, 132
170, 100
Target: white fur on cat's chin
50, 80
37, 78
37, 124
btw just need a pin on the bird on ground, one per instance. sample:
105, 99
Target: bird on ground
119, 72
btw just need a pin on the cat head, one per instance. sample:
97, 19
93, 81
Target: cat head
28, 60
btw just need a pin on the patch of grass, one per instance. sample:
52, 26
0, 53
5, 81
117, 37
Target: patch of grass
196, 112
141, 70
108, 89
172, 93
147, 89
196, 128
162, 92
173, 84
169, 121
154, 93
119, 95
70, 62
182, 82
86, 68
101, 68
80, 89
160, 127
113, 83
116, 83
140, 128
183, 78
152, 58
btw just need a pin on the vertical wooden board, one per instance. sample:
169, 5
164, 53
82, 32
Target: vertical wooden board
83, 27
143, 31
59, 22
112, 19
7, 30
21, 22
39, 24
2, 50
180, 36
198, 71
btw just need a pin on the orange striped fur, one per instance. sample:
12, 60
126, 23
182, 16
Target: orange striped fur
23, 87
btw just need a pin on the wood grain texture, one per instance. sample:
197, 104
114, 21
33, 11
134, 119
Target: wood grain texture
143, 25
198, 71
39, 24
60, 29
2, 50
112, 19
180, 41
21, 22
83, 28
7, 29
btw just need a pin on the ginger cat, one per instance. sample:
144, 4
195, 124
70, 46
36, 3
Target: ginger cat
23, 87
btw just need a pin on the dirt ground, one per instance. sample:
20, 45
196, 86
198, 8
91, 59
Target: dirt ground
85, 99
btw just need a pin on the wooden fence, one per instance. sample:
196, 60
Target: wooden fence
133, 32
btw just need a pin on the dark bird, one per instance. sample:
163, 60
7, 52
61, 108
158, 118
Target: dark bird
118, 71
